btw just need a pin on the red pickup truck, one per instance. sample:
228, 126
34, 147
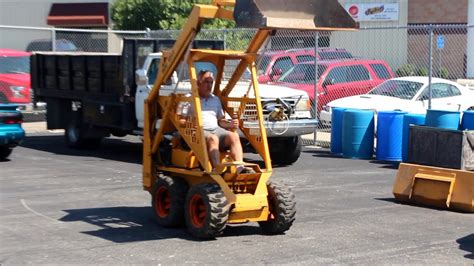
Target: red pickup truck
15, 85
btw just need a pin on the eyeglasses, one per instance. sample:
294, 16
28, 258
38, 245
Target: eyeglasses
207, 81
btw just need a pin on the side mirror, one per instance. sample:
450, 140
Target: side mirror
141, 78
275, 73
328, 82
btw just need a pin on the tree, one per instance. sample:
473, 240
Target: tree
158, 14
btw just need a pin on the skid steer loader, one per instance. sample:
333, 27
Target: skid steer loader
176, 167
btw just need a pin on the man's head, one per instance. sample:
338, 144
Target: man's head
205, 80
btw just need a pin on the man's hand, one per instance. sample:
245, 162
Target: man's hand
234, 123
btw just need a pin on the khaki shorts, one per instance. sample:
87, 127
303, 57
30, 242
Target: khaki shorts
221, 134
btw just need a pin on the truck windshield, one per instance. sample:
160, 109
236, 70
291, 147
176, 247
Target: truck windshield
15, 65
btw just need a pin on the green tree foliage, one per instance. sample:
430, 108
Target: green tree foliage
158, 14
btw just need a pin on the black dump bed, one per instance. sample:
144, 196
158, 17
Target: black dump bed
102, 83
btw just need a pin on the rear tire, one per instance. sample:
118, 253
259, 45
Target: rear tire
5, 152
206, 211
74, 135
167, 200
282, 206
285, 151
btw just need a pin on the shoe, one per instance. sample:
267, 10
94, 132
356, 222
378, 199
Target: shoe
246, 170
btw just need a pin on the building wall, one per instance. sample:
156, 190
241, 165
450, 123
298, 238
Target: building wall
389, 45
437, 11
28, 13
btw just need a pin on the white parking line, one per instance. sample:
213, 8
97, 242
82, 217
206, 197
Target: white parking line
23, 202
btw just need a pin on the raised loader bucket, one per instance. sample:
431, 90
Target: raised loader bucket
293, 14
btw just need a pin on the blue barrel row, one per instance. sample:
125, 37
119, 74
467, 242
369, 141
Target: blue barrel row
352, 131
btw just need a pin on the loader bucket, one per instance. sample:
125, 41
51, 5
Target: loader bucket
293, 14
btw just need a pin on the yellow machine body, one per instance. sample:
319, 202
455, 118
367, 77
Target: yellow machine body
246, 194
436, 187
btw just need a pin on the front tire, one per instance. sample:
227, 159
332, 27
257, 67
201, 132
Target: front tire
282, 206
206, 211
5, 152
285, 151
167, 200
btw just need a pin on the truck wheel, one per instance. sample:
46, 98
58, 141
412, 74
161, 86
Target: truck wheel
206, 210
74, 135
167, 200
282, 207
285, 151
3, 99
5, 152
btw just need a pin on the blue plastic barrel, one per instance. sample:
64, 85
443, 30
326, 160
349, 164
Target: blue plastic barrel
358, 133
336, 130
409, 119
389, 135
467, 120
443, 119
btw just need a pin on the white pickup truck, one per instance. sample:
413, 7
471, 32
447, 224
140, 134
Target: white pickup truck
284, 135
93, 96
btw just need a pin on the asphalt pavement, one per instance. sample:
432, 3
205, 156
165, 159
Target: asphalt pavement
62, 206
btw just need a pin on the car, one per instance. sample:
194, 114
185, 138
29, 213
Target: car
408, 94
62, 45
11, 132
271, 65
337, 78
15, 85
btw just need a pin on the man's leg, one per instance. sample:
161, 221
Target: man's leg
232, 140
213, 149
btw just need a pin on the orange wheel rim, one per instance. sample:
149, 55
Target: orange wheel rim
162, 202
197, 211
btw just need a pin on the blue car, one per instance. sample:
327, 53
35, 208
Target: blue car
11, 132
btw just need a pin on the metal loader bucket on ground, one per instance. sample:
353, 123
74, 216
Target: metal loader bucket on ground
294, 14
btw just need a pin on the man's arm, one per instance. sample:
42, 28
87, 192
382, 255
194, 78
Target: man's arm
229, 125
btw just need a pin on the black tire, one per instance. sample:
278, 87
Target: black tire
3, 99
285, 151
74, 136
282, 206
206, 211
5, 152
167, 200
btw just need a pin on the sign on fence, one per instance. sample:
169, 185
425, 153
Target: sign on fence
440, 42
373, 12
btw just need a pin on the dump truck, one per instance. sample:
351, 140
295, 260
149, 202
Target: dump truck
95, 95
185, 187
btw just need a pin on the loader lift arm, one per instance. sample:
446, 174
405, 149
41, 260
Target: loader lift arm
235, 197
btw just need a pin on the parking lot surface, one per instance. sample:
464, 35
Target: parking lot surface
67, 206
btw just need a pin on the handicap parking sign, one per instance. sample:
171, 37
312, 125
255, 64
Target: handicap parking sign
440, 42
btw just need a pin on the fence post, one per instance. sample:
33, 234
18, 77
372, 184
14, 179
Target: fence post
225, 39
316, 78
430, 67
53, 39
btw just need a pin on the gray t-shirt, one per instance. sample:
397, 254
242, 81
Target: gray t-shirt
211, 109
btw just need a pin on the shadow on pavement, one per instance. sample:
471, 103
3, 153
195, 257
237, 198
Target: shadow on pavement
467, 244
110, 148
327, 154
131, 224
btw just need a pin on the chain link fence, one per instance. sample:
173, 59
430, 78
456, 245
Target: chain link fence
338, 64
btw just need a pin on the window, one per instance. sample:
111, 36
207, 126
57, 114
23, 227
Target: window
304, 58
441, 90
283, 63
262, 64
302, 73
357, 73
153, 71
334, 55
337, 75
381, 71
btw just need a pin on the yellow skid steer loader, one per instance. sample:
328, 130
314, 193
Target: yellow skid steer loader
176, 167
